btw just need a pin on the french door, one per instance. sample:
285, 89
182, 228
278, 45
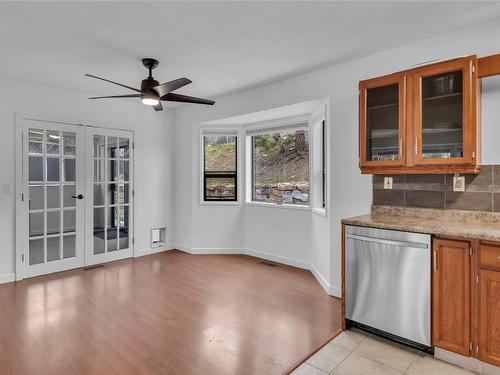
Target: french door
76, 196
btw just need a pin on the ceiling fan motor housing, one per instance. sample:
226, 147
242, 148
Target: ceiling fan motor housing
147, 86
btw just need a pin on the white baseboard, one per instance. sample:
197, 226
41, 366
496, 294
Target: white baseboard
321, 280
333, 291
276, 258
7, 278
153, 250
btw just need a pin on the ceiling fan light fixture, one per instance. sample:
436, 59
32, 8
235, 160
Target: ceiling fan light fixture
149, 100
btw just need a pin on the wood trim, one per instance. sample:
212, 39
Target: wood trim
423, 169
400, 80
447, 314
489, 300
297, 365
469, 113
488, 66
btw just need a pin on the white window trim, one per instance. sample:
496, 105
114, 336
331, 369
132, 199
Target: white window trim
265, 126
317, 117
220, 130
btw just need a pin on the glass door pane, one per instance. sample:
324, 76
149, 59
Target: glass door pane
110, 168
442, 116
382, 123
54, 243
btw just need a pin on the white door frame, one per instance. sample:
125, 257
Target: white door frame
21, 223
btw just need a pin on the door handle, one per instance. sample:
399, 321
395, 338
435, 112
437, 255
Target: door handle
79, 196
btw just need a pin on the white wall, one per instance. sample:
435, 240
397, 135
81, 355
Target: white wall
154, 135
350, 191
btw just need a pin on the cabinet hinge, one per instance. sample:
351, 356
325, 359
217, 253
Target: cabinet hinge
477, 348
473, 68
473, 155
477, 279
470, 251
470, 346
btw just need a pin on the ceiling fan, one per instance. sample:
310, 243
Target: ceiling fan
152, 93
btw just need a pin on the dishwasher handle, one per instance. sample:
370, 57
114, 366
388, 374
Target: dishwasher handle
387, 242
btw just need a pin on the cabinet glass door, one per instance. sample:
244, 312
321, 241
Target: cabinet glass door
443, 108
382, 121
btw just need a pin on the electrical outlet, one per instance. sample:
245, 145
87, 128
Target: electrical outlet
388, 183
458, 183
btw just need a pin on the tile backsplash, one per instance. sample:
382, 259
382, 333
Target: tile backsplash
482, 191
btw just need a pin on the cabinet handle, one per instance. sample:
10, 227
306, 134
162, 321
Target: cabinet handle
416, 145
434, 261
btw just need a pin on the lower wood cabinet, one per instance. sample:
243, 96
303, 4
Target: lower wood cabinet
451, 296
466, 298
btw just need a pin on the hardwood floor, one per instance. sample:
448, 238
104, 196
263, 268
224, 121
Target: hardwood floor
169, 313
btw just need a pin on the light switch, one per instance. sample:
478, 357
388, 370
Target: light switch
387, 182
458, 183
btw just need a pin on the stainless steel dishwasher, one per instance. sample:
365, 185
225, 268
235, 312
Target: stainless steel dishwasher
388, 283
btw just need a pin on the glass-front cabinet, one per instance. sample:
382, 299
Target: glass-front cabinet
382, 121
421, 121
444, 113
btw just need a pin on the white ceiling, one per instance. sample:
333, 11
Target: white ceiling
222, 46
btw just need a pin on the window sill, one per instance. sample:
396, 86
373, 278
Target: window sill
276, 205
319, 211
219, 203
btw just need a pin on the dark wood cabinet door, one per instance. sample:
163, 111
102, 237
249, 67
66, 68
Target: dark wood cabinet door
382, 121
489, 316
451, 297
445, 113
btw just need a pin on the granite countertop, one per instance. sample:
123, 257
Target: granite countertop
446, 223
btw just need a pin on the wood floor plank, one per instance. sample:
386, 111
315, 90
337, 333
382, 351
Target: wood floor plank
168, 313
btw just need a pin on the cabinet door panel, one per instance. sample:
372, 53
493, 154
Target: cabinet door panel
451, 296
489, 317
445, 113
382, 121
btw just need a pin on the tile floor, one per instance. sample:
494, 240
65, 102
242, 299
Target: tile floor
355, 352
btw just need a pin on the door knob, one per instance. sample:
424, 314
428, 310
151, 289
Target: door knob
79, 196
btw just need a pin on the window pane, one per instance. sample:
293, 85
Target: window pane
53, 200
36, 252
281, 167
99, 170
36, 224
69, 221
52, 249
123, 226
53, 142
35, 141
69, 247
35, 168
69, 142
52, 169
69, 191
99, 237
220, 188
99, 194
124, 148
112, 147
36, 197
124, 171
220, 153
99, 146
69, 169
112, 170
53, 222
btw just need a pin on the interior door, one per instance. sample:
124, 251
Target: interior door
53, 187
109, 207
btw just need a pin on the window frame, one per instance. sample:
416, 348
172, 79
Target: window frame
219, 132
320, 138
268, 127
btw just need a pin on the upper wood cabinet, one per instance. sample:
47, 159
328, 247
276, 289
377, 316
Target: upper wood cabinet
421, 121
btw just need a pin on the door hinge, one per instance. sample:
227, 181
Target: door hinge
133, 193
22, 197
133, 241
22, 258
133, 145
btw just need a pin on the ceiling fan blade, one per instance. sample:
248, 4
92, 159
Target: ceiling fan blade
117, 96
186, 99
158, 107
115, 83
170, 86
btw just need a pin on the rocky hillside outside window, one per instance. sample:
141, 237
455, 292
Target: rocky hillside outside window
219, 168
280, 166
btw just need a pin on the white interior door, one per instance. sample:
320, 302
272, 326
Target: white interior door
109, 207
52, 204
